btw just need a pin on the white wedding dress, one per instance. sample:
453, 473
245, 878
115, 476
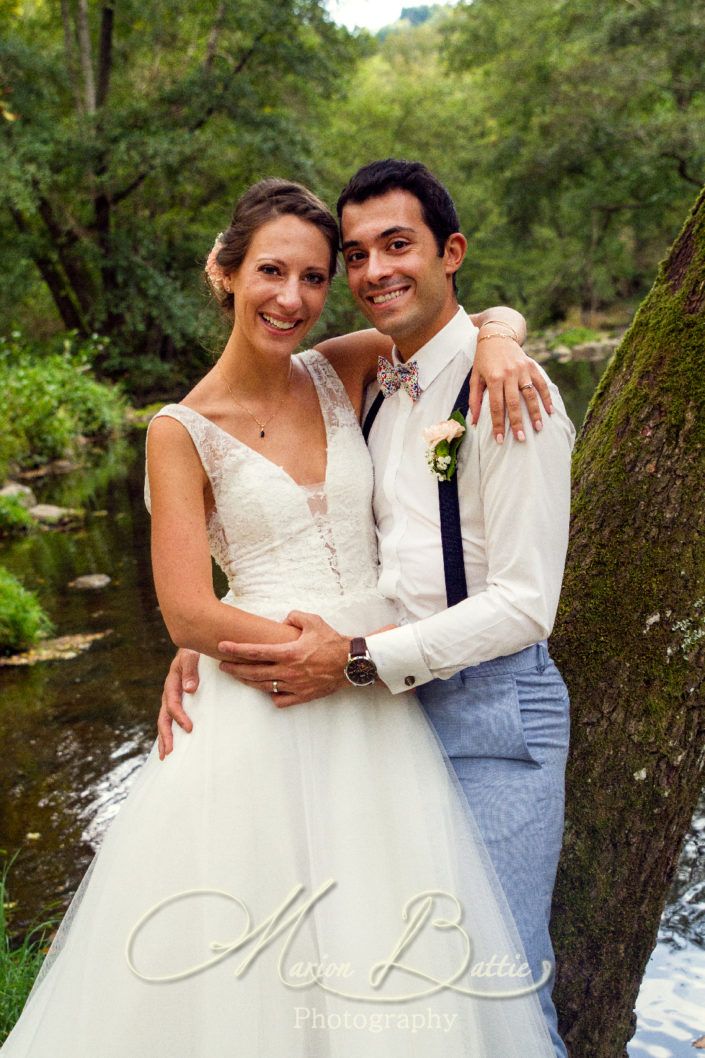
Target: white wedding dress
345, 807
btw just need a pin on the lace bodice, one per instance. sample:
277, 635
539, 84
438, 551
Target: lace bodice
280, 544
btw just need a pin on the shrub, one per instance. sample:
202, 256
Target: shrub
51, 400
14, 518
23, 622
575, 336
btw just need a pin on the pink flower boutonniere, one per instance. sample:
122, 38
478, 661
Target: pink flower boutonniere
443, 442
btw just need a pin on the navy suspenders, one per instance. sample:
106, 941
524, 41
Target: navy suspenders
448, 505
372, 415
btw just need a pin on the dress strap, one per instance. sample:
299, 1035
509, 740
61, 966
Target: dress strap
332, 394
199, 429
198, 426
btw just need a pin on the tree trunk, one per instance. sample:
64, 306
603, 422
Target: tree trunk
105, 52
56, 281
70, 50
630, 641
84, 47
65, 242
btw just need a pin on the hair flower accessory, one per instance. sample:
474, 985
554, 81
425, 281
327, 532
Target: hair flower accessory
443, 442
216, 275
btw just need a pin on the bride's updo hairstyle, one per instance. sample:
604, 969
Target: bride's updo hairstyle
265, 201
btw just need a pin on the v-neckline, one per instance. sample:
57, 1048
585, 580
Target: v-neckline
277, 466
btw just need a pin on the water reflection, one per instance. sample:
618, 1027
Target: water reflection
61, 722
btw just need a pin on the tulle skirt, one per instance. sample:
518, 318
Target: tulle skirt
286, 883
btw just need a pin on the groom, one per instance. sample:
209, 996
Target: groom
475, 562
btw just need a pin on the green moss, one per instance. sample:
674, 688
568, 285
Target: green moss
630, 640
649, 400
23, 622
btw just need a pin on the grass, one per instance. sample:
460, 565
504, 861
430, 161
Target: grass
23, 622
19, 963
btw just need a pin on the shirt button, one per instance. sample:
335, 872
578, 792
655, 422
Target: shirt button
409, 681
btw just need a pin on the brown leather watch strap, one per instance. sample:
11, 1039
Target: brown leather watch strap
358, 647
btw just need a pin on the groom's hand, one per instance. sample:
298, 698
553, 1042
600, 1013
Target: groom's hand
310, 667
182, 677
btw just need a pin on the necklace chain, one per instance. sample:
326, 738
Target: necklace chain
253, 416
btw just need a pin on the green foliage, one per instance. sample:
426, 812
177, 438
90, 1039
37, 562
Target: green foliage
575, 336
14, 518
590, 137
22, 619
112, 204
570, 136
51, 400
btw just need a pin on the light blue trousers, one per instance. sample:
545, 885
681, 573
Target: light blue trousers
505, 725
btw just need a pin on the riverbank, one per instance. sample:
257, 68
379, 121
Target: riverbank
54, 410
52, 402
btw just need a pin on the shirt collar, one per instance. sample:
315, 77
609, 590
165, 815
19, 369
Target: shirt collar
440, 350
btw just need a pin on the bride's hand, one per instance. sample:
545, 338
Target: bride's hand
510, 375
182, 677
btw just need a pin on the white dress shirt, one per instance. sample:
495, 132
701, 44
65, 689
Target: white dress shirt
514, 509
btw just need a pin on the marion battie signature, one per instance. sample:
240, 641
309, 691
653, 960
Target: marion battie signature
420, 913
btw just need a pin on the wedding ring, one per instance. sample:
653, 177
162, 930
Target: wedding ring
275, 687
527, 385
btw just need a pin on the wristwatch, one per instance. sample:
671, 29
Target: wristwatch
360, 669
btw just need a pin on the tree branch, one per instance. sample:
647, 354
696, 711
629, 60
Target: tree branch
215, 32
683, 168
129, 188
246, 56
124, 192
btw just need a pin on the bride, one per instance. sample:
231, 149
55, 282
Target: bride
287, 882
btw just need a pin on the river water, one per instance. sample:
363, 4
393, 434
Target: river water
74, 733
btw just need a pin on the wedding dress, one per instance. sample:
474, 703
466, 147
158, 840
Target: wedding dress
304, 882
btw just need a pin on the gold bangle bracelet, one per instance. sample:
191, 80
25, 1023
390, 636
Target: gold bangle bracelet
501, 323
496, 334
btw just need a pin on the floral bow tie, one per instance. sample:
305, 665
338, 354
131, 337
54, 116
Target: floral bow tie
391, 377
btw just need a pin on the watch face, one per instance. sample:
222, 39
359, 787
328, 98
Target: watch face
361, 671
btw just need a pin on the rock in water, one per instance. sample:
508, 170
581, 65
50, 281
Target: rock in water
22, 493
90, 581
62, 649
50, 515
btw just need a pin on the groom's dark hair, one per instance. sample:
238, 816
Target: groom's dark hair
395, 174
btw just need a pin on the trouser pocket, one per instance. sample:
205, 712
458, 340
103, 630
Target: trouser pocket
478, 716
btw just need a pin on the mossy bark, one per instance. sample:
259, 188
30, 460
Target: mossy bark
630, 641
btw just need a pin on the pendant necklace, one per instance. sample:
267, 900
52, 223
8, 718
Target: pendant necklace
261, 425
